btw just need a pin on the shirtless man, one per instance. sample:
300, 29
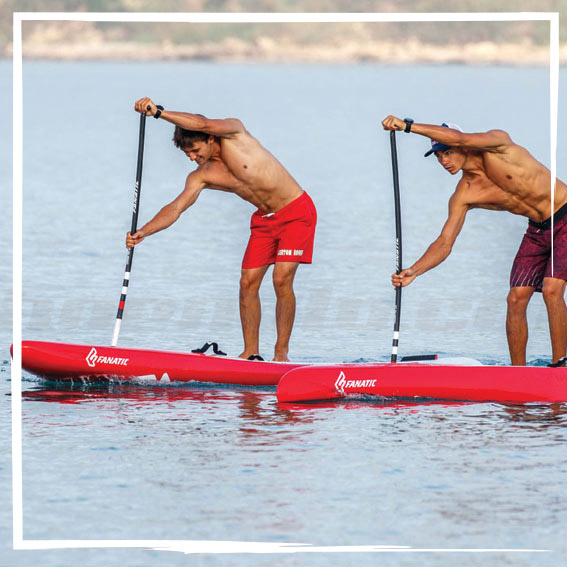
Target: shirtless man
282, 228
499, 175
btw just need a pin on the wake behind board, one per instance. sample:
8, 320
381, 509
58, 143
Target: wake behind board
67, 362
434, 381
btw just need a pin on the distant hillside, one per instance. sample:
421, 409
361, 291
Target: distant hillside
246, 40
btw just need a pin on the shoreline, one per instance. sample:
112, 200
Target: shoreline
267, 50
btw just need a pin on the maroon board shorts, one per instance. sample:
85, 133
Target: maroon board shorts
284, 236
533, 260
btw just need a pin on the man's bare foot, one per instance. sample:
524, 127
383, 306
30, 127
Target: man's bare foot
246, 354
280, 356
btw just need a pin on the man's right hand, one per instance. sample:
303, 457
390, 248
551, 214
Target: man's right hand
404, 278
143, 104
136, 238
393, 123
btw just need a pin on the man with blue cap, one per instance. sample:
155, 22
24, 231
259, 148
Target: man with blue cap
500, 175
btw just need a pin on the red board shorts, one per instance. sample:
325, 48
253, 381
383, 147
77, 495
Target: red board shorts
284, 236
533, 260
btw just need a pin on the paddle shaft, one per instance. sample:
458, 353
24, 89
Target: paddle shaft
398, 215
133, 229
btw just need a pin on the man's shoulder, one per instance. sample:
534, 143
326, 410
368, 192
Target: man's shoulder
236, 126
235, 122
199, 174
509, 150
499, 141
500, 133
240, 131
465, 193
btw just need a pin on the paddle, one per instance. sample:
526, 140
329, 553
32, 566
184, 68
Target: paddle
398, 215
137, 189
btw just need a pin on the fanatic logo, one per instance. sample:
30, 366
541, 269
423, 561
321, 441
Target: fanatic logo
342, 384
93, 359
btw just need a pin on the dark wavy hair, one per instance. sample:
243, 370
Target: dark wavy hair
184, 138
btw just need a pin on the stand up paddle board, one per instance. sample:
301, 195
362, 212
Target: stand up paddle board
61, 361
434, 381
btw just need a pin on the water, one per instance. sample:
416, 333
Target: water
197, 463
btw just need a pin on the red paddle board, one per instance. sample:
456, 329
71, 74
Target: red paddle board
61, 361
434, 381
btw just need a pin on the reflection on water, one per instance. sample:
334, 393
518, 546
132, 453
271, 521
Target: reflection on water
258, 404
224, 451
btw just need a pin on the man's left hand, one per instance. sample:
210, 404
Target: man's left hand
404, 278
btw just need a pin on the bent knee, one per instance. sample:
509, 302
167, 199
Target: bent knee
283, 283
553, 290
519, 297
249, 284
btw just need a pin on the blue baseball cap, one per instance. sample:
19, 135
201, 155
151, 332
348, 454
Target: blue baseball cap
438, 146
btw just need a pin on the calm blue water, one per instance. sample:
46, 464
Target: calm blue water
200, 463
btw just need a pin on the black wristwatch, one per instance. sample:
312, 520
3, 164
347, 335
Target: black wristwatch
158, 111
409, 122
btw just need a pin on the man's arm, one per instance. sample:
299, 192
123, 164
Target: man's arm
171, 212
491, 140
441, 247
224, 128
